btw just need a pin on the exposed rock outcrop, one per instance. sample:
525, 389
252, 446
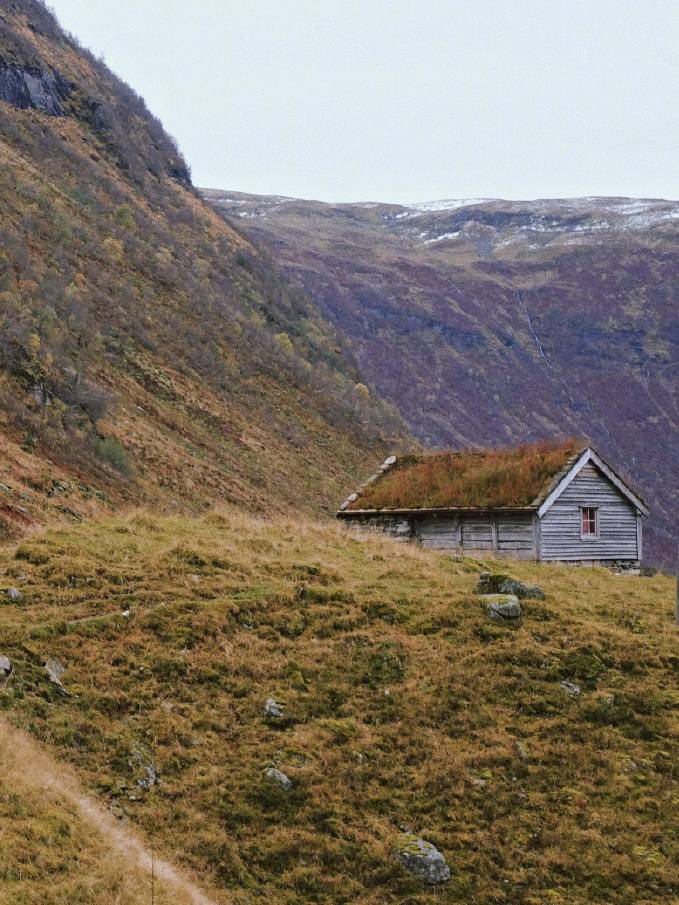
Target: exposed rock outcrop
30, 87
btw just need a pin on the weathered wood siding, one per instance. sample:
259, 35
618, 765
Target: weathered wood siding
395, 526
439, 533
477, 532
509, 535
561, 524
515, 535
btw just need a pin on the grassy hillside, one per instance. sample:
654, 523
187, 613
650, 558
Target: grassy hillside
404, 707
50, 854
148, 351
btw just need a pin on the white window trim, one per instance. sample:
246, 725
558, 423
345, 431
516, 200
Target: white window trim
597, 524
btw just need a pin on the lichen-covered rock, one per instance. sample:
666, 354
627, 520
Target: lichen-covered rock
502, 606
490, 582
14, 594
273, 709
278, 777
5, 667
521, 590
501, 583
422, 859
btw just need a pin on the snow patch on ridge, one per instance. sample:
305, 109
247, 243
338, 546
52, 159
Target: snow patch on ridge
446, 204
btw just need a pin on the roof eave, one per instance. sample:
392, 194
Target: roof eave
446, 510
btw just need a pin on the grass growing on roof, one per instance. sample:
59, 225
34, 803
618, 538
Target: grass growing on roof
404, 707
488, 478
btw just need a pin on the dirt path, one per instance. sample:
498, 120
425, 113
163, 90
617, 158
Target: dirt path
41, 772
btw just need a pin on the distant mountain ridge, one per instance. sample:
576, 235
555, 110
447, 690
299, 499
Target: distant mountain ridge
491, 321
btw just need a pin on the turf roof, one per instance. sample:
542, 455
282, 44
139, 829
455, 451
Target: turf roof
481, 478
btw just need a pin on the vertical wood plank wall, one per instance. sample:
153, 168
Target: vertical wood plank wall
511, 534
619, 531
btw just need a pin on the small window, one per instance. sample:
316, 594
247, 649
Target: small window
590, 521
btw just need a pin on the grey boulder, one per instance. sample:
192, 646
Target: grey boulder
490, 582
274, 709
523, 591
570, 688
55, 671
5, 667
278, 777
14, 594
502, 606
422, 859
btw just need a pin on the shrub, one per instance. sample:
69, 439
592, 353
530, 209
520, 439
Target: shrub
113, 453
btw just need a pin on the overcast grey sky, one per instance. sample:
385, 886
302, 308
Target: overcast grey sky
402, 100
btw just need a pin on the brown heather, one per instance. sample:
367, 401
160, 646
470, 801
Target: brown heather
491, 478
400, 696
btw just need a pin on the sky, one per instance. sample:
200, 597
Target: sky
404, 100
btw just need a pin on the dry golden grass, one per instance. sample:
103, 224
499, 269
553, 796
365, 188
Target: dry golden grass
59, 846
402, 700
485, 478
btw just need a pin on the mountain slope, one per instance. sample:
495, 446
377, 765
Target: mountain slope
491, 322
148, 351
404, 706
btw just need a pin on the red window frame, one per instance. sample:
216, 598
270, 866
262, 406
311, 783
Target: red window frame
589, 521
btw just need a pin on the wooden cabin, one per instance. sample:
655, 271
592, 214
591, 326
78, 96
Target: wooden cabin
556, 501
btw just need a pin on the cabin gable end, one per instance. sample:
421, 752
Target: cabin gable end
591, 518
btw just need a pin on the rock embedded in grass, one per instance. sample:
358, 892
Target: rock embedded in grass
522, 750
521, 590
570, 688
502, 606
274, 709
5, 667
14, 594
501, 583
490, 582
278, 777
422, 859
55, 671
